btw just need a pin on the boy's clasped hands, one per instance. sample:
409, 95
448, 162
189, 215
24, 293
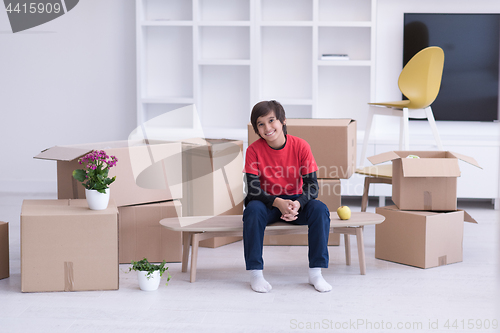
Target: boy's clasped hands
289, 208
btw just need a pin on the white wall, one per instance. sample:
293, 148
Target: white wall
71, 80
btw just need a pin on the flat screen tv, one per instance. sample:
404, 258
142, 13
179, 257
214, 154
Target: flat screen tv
469, 86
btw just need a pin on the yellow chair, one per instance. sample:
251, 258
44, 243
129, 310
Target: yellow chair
419, 81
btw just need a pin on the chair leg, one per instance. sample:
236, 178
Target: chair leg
406, 129
432, 123
401, 133
368, 129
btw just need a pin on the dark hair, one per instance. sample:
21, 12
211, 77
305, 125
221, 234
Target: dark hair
263, 108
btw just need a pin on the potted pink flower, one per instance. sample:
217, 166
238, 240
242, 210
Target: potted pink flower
95, 177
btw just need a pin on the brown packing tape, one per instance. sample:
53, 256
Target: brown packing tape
442, 261
427, 200
69, 280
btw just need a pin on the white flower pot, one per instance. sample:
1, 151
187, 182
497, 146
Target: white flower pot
96, 200
150, 284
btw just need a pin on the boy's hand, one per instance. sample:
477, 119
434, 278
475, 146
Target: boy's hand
288, 208
294, 206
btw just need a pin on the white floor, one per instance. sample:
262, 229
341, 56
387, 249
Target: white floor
390, 297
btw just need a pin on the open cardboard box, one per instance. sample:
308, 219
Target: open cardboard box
212, 180
65, 246
4, 250
426, 183
147, 171
332, 141
420, 238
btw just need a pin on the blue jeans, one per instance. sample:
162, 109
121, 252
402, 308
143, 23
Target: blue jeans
257, 216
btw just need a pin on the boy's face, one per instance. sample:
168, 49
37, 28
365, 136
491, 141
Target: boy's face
271, 130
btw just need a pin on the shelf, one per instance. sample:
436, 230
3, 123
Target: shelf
286, 10
292, 101
224, 23
166, 61
224, 62
220, 42
286, 23
344, 62
342, 10
167, 100
224, 10
239, 52
350, 24
286, 68
160, 23
178, 10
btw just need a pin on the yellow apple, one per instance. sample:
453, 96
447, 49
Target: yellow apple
344, 212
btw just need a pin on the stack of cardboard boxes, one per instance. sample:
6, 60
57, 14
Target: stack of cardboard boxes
154, 179
65, 237
148, 187
333, 144
424, 228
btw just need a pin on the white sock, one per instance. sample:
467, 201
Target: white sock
258, 283
317, 280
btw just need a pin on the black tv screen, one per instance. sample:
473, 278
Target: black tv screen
469, 86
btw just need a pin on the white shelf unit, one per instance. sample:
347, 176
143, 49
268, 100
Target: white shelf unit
194, 52
292, 36
226, 55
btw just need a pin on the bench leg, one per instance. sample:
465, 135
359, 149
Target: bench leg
361, 250
186, 241
364, 198
347, 243
195, 241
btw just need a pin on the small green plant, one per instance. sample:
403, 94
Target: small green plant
145, 266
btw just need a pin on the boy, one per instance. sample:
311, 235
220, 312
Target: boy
281, 184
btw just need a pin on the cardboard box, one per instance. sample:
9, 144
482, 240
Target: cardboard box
147, 171
142, 236
65, 246
329, 194
212, 180
4, 250
426, 183
420, 238
332, 141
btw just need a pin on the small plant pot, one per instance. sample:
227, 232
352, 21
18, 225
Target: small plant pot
150, 284
96, 200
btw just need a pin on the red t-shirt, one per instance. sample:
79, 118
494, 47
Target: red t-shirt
280, 170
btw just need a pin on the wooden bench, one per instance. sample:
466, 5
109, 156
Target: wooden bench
197, 228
